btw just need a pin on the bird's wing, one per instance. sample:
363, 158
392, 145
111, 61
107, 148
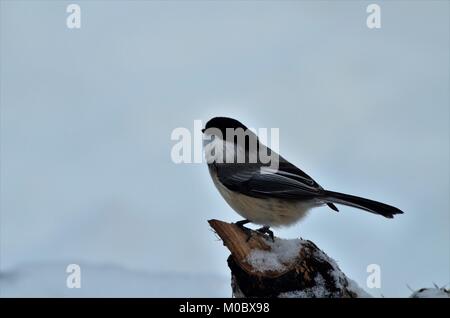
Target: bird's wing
288, 182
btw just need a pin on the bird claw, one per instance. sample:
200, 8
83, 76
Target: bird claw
266, 230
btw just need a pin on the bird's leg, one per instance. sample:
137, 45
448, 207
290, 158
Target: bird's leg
245, 229
266, 230
242, 222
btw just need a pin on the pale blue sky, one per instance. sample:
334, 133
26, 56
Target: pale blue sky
86, 118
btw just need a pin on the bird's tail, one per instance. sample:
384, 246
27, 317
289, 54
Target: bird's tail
371, 206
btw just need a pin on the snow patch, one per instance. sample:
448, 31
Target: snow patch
282, 253
341, 280
431, 293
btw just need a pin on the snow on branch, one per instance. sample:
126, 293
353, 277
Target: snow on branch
294, 268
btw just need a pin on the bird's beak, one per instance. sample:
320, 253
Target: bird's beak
203, 130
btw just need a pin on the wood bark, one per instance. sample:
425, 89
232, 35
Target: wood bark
298, 278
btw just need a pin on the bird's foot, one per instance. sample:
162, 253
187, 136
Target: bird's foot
246, 230
266, 230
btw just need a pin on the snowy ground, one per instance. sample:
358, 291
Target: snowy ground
49, 280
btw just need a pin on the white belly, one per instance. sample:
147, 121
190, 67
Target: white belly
270, 212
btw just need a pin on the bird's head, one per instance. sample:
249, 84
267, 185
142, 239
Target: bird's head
221, 124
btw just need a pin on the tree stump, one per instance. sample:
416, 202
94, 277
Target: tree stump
295, 268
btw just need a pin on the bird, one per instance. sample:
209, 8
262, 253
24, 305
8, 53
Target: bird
262, 195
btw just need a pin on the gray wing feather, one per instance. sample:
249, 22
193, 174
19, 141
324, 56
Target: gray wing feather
256, 180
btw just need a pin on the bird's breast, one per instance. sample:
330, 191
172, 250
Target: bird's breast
273, 212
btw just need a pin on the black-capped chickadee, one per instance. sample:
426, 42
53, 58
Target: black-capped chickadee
270, 192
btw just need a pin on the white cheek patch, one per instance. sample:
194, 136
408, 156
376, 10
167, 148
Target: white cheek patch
220, 151
214, 150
